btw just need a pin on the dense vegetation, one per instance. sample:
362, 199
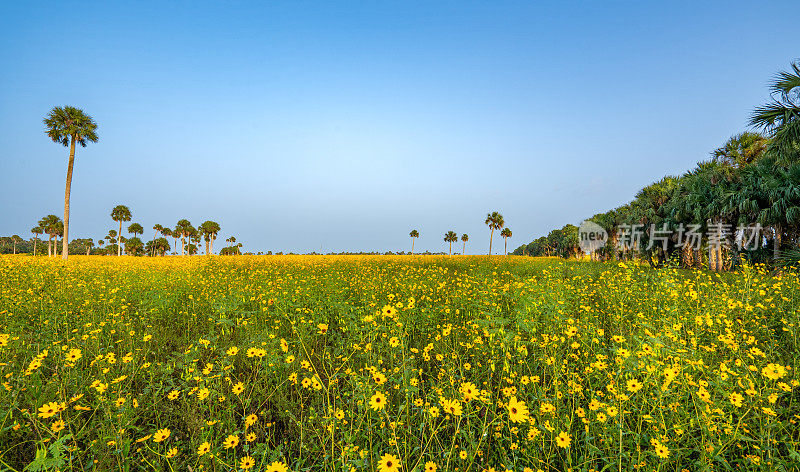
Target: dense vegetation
752, 179
387, 363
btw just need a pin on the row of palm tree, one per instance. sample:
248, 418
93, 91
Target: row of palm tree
753, 178
184, 230
53, 226
494, 220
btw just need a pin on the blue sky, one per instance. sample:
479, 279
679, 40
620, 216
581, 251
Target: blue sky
301, 126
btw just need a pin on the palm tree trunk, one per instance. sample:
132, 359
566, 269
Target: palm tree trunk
712, 256
14, 242
212, 244
35, 240
451, 248
614, 247
50, 246
119, 239
505, 246
686, 255
412, 245
65, 240
464, 250
491, 235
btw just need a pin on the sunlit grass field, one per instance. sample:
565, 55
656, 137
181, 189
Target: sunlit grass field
394, 363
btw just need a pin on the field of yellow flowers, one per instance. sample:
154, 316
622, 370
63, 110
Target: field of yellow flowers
377, 363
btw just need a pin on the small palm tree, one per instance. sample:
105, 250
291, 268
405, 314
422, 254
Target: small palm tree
36, 230
67, 126
495, 221
229, 251
158, 232
184, 229
168, 233
119, 214
464, 239
781, 117
50, 224
89, 246
111, 237
14, 240
506, 233
209, 230
414, 235
451, 237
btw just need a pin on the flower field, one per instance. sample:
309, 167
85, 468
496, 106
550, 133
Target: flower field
378, 363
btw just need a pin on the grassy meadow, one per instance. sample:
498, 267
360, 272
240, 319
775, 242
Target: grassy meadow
382, 363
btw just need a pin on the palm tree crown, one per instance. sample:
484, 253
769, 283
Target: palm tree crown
781, 117
741, 149
135, 229
66, 125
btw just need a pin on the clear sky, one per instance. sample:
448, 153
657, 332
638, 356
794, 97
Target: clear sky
301, 126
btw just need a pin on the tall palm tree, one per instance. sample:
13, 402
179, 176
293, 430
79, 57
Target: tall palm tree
781, 117
414, 235
69, 125
119, 214
209, 230
495, 221
506, 233
36, 230
451, 237
464, 239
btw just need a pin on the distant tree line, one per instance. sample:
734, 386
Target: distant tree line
48, 235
